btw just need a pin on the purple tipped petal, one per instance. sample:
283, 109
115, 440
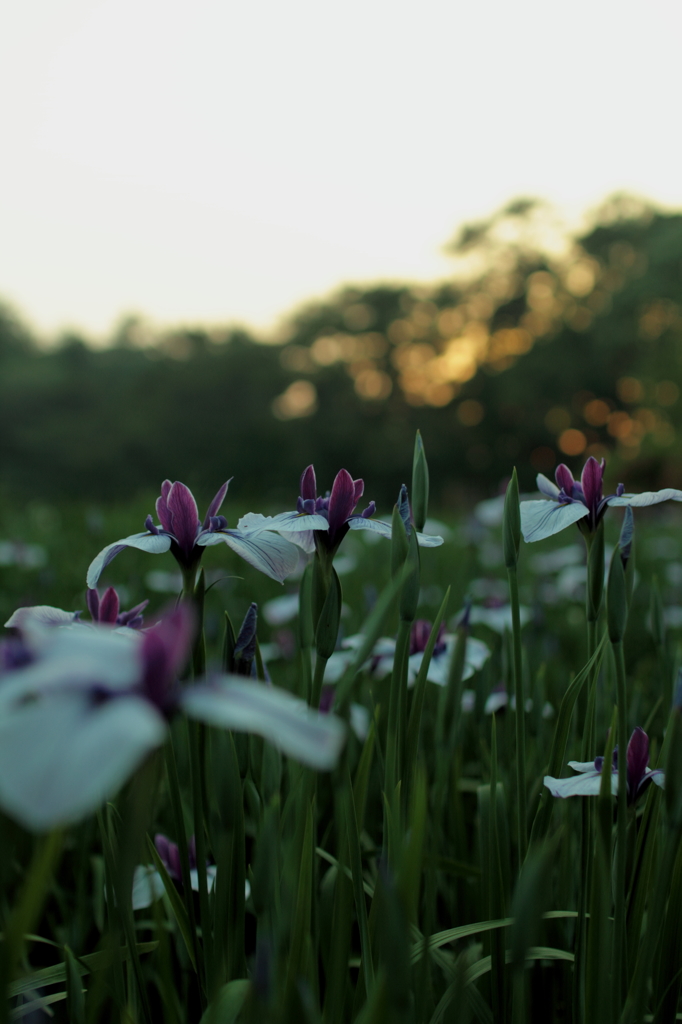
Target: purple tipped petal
150, 525
214, 507
164, 651
109, 606
638, 758
92, 601
341, 501
133, 618
591, 481
308, 484
359, 486
184, 516
369, 511
564, 478
162, 510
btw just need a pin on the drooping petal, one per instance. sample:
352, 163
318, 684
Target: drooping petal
587, 784
547, 487
591, 481
341, 500
375, 525
564, 478
39, 615
289, 724
308, 484
62, 756
268, 552
582, 766
162, 509
540, 519
645, 498
184, 516
154, 543
109, 606
215, 506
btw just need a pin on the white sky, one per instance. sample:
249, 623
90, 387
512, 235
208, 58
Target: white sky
213, 161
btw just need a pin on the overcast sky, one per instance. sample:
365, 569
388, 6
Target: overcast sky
217, 161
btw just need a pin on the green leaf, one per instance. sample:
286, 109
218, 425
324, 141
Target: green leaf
228, 1003
56, 975
511, 523
177, 905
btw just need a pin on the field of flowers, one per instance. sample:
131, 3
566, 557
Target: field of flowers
286, 779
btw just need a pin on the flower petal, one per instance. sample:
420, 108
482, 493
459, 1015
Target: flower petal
645, 498
39, 614
540, 519
591, 481
582, 766
154, 543
268, 552
214, 507
564, 478
62, 756
547, 487
579, 785
289, 522
288, 723
147, 887
308, 484
184, 516
162, 510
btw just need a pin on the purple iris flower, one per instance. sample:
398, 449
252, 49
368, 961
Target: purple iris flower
580, 501
337, 507
107, 609
183, 534
588, 782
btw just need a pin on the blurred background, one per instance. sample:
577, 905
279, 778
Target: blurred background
237, 239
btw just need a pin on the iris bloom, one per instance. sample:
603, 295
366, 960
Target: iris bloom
580, 501
87, 706
327, 520
183, 534
588, 781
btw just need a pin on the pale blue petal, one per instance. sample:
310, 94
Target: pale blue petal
582, 766
62, 756
289, 724
289, 522
39, 614
76, 657
374, 525
579, 785
155, 543
147, 887
428, 540
268, 552
540, 519
656, 776
645, 498
547, 486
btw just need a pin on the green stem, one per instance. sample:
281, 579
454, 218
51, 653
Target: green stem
521, 812
318, 679
194, 731
619, 948
397, 709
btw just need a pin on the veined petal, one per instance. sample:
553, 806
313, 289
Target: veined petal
268, 552
214, 507
591, 481
162, 510
588, 784
547, 487
645, 498
540, 519
375, 525
154, 543
62, 756
341, 500
288, 723
564, 478
184, 516
289, 522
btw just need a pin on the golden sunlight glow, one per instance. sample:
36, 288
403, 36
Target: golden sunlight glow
629, 389
299, 399
572, 442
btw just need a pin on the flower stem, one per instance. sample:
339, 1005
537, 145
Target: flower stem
521, 812
397, 711
621, 828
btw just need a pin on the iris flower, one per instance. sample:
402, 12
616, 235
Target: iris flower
328, 519
183, 534
588, 781
86, 707
580, 501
